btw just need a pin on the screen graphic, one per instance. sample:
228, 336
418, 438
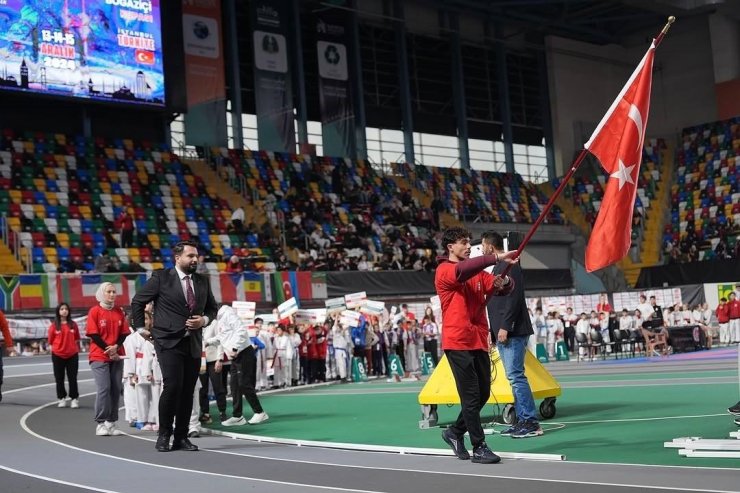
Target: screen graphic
108, 50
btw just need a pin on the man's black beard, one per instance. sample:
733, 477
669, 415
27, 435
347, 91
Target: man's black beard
190, 269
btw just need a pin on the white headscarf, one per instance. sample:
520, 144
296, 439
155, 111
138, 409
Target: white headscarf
100, 295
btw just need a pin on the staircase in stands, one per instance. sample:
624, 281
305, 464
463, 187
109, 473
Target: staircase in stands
654, 223
252, 214
8, 262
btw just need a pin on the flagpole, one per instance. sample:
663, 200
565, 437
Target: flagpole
571, 172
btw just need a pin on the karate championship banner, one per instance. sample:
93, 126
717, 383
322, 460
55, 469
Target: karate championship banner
273, 90
335, 93
205, 121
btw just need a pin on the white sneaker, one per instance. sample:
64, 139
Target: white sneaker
62, 403
75, 404
258, 418
101, 430
113, 429
232, 421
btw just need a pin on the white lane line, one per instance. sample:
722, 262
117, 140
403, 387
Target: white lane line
32, 387
628, 420
5, 362
57, 481
445, 473
24, 425
38, 374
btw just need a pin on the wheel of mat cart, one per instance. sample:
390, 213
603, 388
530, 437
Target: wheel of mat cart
547, 408
433, 413
509, 414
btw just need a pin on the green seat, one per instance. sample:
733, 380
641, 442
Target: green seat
75, 240
62, 212
63, 225
98, 226
38, 225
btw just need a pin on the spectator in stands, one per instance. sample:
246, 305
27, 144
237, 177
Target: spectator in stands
103, 262
234, 265
125, 226
237, 220
64, 337
107, 329
6, 347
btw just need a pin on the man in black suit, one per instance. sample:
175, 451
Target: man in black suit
511, 327
183, 305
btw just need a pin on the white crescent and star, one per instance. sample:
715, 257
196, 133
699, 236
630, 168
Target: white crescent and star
623, 174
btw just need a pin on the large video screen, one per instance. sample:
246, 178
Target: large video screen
108, 50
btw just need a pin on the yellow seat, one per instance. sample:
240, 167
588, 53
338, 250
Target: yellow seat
39, 210
153, 240
117, 200
15, 196
63, 240
14, 223
134, 254
85, 211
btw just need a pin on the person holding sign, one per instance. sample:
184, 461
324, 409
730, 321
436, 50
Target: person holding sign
464, 288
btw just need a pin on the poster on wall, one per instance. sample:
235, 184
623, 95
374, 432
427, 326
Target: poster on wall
335, 91
273, 89
104, 50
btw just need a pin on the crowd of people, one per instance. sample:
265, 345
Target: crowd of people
688, 248
582, 333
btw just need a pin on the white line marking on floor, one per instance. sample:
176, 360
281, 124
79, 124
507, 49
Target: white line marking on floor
38, 374
427, 471
24, 425
627, 420
53, 480
32, 387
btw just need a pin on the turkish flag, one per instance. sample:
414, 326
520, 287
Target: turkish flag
144, 57
617, 143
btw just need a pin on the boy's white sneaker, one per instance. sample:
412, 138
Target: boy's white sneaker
101, 430
259, 418
75, 404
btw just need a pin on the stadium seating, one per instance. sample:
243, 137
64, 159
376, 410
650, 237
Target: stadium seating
61, 196
705, 199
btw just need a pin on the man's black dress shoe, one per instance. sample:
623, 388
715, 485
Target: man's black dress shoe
163, 443
184, 444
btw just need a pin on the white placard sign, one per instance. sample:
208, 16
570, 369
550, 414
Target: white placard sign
374, 308
310, 317
334, 305
245, 310
355, 299
287, 308
350, 318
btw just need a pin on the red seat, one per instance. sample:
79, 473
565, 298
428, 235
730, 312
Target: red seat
39, 241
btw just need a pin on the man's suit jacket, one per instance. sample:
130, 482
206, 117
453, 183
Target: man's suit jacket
171, 309
510, 312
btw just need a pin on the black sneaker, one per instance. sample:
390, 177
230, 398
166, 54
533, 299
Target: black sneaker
528, 429
483, 455
456, 443
511, 429
734, 410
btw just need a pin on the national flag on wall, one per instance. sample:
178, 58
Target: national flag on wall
617, 143
253, 287
8, 292
285, 286
37, 291
312, 285
227, 287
